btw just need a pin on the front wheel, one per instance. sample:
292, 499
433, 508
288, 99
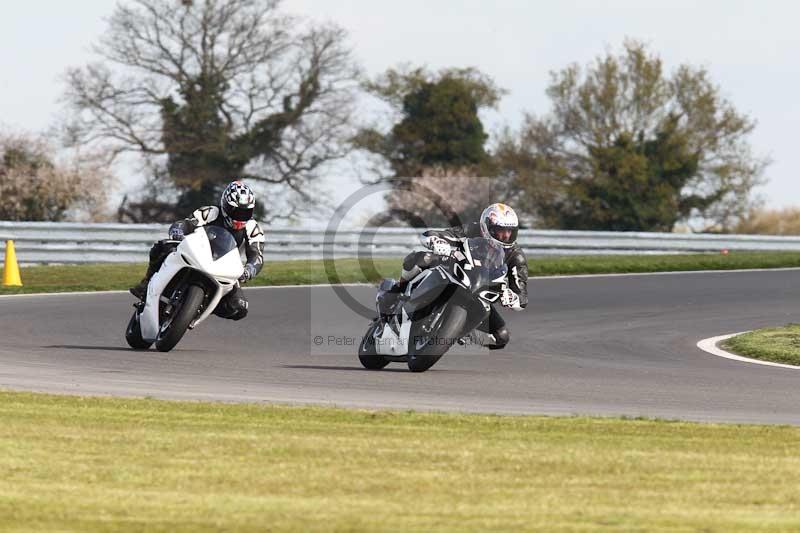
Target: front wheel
366, 350
133, 334
425, 350
172, 332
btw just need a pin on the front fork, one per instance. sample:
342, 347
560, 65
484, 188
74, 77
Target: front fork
167, 306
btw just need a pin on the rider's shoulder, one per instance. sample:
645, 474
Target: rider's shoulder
452, 233
206, 214
254, 231
515, 255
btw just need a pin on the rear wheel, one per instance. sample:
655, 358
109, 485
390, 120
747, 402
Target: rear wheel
366, 350
133, 334
426, 350
173, 330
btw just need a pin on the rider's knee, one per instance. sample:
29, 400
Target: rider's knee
501, 337
425, 259
417, 259
239, 307
156, 251
411, 260
234, 308
159, 251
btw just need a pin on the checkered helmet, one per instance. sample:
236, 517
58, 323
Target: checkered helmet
237, 204
499, 224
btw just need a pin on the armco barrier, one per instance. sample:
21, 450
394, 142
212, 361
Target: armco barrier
50, 242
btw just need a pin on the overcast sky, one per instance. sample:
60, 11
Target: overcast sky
752, 50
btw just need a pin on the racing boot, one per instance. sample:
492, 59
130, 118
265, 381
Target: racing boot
140, 290
479, 338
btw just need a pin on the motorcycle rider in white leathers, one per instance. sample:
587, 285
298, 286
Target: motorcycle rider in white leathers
235, 213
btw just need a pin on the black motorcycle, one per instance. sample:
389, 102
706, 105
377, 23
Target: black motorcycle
437, 308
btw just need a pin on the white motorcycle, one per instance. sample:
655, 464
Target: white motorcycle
205, 266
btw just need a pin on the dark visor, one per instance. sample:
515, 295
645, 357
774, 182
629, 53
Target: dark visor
241, 214
496, 230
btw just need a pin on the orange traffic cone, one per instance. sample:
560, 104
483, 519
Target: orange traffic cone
11, 269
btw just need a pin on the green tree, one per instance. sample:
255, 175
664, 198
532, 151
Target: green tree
437, 134
437, 119
629, 147
210, 89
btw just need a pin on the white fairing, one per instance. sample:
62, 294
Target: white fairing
193, 252
390, 343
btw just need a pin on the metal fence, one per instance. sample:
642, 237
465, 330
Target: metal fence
48, 242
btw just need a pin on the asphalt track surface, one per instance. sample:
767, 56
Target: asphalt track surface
611, 345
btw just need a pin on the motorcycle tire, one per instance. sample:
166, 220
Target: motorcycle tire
133, 334
187, 312
366, 350
451, 329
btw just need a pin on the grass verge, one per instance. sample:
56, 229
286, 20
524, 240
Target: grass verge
779, 345
71, 463
61, 278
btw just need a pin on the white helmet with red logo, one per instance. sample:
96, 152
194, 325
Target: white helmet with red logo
237, 203
499, 224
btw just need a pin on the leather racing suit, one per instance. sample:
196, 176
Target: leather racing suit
515, 260
250, 238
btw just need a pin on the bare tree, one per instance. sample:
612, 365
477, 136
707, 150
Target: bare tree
36, 184
761, 221
443, 197
209, 89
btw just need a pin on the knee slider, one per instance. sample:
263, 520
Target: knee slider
239, 307
425, 259
502, 336
416, 259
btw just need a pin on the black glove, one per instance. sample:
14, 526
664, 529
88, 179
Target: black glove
248, 274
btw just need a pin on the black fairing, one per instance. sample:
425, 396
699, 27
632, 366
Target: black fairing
424, 293
476, 312
426, 299
437, 290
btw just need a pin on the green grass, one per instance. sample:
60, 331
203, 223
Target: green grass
779, 345
84, 464
99, 277
613, 264
121, 276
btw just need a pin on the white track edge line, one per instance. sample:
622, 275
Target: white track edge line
710, 345
532, 278
85, 293
666, 273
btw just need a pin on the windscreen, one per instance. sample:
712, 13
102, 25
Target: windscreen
221, 241
489, 259
491, 256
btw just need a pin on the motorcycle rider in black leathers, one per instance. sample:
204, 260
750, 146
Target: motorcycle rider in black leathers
499, 224
235, 213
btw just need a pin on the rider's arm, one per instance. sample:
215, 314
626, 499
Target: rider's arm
451, 234
200, 217
254, 247
518, 276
